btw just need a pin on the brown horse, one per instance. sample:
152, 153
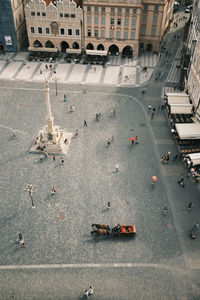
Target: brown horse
101, 226
101, 232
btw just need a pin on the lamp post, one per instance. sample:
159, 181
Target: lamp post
56, 83
30, 188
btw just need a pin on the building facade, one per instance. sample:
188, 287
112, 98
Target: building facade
12, 25
192, 84
55, 24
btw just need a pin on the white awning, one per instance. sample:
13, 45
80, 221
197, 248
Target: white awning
73, 51
96, 52
195, 158
188, 131
178, 98
181, 108
42, 49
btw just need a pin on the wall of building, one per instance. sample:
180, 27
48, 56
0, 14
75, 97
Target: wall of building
8, 36
59, 24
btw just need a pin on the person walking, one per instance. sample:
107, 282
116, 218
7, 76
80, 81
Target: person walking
21, 241
62, 160
109, 205
86, 294
65, 98
136, 139
76, 132
53, 191
85, 123
149, 107
117, 167
189, 205
181, 181
54, 157
91, 290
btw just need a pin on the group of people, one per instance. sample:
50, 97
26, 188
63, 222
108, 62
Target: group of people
89, 292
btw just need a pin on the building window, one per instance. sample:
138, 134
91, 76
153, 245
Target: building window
69, 31
102, 21
144, 18
66, 15
61, 15
47, 31
32, 13
112, 21
102, 33
96, 20
133, 22
132, 35
111, 34
155, 20
62, 31
77, 32
119, 21
118, 34
153, 31
96, 33
32, 29
134, 11
125, 35
112, 10
38, 13
40, 30
73, 16
145, 7
103, 10
89, 8
119, 10
156, 7
127, 11
89, 32
126, 21
89, 20
143, 30
96, 9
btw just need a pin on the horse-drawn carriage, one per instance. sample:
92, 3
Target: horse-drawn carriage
124, 229
103, 229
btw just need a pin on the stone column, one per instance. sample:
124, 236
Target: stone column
50, 127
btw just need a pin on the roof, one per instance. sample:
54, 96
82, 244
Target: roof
177, 98
78, 2
188, 131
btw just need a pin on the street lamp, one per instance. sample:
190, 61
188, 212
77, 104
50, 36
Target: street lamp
56, 83
30, 188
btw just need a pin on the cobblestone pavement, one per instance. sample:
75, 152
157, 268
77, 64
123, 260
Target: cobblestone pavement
62, 258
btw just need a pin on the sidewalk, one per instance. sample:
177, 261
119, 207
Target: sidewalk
118, 71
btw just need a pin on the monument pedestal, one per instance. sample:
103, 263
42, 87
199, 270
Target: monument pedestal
51, 139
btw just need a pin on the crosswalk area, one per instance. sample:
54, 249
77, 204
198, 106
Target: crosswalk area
118, 71
174, 72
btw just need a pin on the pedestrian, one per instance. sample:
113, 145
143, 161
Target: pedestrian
196, 225
53, 191
91, 290
189, 205
156, 78
65, 99
70, 108
85, 123
108, 142
73, 107
41, 158
109, 205
46, 67
86, 294
117, 167
14, 133
40, 71
149, 108
152, 115
132, 141
54, 157
21, 241
76, 132
154, 109
62, 160
46, 155
181, 182
136, 139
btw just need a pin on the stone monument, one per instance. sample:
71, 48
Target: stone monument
51, 139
